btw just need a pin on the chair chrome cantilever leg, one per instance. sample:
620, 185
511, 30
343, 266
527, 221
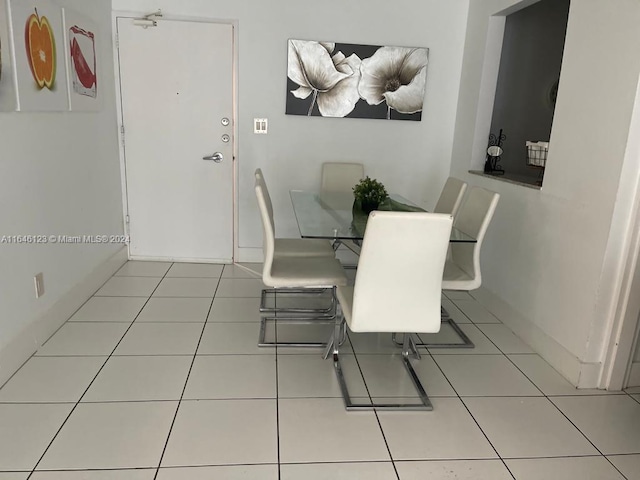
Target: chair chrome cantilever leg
445, 318
325, 312
300, 320
409, 348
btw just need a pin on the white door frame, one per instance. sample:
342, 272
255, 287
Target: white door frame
121, 149
624, 322
624, 334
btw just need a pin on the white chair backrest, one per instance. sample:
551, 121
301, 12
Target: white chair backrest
260, 178
340, 177
473, 219
399, 279
451, 196
268, 245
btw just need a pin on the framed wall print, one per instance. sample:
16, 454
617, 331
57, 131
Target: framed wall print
41, 77
82, 62
329, 79
7, 85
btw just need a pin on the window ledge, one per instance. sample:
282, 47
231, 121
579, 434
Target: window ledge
513, 179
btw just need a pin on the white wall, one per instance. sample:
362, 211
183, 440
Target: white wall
411, 158
59, 174
551, 258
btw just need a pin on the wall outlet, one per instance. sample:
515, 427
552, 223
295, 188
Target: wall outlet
39, 281
260, 125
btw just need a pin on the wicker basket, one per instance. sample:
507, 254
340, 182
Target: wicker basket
537, 154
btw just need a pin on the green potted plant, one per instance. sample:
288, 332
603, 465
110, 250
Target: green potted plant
369, 193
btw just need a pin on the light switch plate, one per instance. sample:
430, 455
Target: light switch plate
260, 126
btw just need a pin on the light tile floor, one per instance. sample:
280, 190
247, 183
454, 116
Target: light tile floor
158, 376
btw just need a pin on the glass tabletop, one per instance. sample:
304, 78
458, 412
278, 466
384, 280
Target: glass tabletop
332, 215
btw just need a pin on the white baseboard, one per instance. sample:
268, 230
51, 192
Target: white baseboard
146, 258
249, 255
634, 375
590, 375
582, 375
37, 332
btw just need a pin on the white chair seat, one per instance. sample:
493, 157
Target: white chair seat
291, 272
302, 247
454, 278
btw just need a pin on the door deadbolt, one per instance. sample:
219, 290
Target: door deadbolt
225, 138
224, 121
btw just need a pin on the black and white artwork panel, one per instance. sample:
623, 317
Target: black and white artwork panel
356, 81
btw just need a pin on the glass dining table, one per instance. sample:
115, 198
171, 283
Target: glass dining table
333, 216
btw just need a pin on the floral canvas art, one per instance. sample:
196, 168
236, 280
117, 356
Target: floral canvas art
358, 81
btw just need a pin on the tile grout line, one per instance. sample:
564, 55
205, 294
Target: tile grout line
587, 438
93, 380
531, 381
375, 412
186, 382
562, 413
473, 418
161, 296
473, 299
278, 397
83, 304
534, 384
182, 322
19, 368
275, 328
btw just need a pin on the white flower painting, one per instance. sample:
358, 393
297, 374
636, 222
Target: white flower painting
359, 81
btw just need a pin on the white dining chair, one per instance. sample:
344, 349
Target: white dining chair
397, 288
340, 177
293, 273
449, 202
451, 196
462, 270
293, 247
462, 267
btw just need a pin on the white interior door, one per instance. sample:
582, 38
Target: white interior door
176, 85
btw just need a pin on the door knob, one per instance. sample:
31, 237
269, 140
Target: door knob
216, 157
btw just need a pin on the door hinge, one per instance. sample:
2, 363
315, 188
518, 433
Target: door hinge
122, 134
126, 218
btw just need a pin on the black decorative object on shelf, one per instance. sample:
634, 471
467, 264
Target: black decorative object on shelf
494, 152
